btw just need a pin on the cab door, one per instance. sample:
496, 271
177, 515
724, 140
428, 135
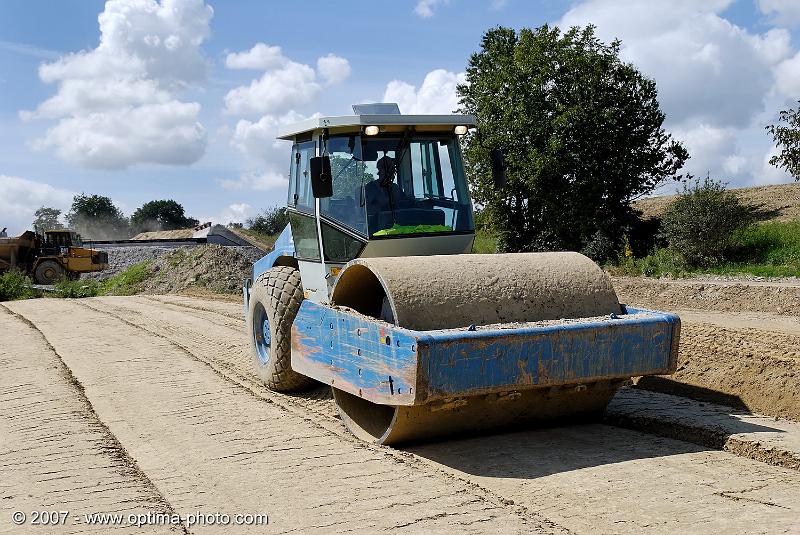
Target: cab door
302, 209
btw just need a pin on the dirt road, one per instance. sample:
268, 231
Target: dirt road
150, 404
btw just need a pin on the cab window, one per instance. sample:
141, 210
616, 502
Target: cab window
300, 196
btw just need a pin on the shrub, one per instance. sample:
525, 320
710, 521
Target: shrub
270, 221
700, 224
15, 285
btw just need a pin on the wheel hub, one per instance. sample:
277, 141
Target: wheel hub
261, 333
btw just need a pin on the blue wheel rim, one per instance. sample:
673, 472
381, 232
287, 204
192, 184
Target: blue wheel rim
261, 333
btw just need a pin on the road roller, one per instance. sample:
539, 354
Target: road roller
372, 289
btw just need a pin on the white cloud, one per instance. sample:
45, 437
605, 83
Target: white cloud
256, 180
275, 92
437, 94
257, 140
233, 213
28, 50
283, 88
22, 197
769, 174
117, 104
784, 12
707, 69
333, 69
130, 135
787, 77
426, 8
260, 57
709, 146
718, 83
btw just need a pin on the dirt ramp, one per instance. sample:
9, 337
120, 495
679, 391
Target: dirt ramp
723, 296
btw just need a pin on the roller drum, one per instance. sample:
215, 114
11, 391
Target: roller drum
443, 292
387, 424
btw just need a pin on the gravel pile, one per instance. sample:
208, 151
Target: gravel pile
121, 258
213, 267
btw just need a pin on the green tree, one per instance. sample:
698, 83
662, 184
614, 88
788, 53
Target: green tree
270, 221
46, 218
700, 224
787, 138
96, 217
160, 215
581, 132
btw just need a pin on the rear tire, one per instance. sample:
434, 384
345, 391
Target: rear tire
48, 272
275, 298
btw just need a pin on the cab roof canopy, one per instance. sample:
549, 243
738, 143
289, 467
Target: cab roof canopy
387, 116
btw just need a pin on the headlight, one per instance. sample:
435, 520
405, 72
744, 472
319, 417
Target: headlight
460, 130
372, 130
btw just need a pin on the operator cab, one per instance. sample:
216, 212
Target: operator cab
376, 183
62, 238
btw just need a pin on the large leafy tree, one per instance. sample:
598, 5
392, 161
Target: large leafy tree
96, 217
46, 218
787, 137
161, 215
582, 135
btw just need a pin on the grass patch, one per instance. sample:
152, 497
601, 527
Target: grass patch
485, 242
16, 285
78, 288
769, 249
127, 282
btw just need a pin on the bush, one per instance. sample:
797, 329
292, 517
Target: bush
270, 221
701, 223
15, 285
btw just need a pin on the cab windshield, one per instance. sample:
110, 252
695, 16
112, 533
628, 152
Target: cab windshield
388, 186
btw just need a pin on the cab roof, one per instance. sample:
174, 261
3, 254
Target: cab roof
389, 116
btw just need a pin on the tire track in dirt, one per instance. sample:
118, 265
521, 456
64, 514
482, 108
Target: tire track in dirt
209, 443
703, 433
55, 454
665, 485
315, 407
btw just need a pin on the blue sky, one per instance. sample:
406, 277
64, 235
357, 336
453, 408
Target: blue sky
181, 98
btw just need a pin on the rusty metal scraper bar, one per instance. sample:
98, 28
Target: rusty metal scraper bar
389, 365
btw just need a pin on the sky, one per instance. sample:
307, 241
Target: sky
181, 99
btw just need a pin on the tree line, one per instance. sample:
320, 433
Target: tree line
97, 217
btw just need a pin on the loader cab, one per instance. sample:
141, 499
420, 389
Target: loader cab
396, 187
62, 238
59, 241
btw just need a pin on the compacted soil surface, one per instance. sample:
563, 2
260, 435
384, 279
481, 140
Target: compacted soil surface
148, 405
740, 340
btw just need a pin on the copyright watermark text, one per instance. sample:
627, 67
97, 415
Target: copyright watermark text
149, 518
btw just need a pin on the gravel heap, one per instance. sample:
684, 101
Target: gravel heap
121, 258
213, 267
